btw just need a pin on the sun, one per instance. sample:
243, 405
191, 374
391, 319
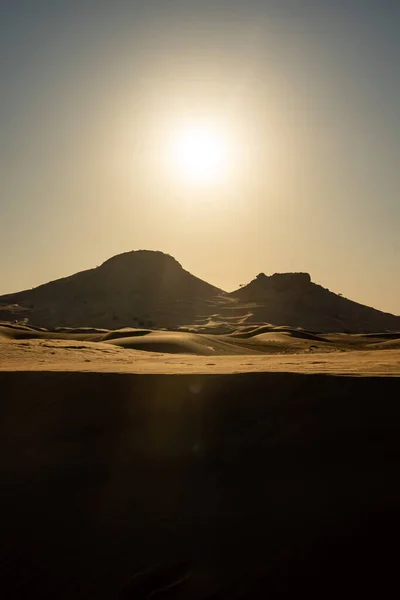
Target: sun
199, 154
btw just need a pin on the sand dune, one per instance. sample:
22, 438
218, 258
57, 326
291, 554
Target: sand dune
387, 345
265, 339
177, 352
180, 343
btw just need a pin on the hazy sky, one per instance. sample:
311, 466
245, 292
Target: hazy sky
308, 90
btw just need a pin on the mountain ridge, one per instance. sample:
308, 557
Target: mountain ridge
149, 288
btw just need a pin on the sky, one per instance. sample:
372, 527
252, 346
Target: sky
305, 93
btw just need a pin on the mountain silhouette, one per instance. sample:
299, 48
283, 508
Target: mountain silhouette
141, 288
292, 299
151, 289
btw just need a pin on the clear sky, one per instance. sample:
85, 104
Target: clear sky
305, 92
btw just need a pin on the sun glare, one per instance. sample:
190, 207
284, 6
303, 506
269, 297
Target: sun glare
200, 155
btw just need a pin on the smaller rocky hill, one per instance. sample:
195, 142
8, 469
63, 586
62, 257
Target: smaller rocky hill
293, 299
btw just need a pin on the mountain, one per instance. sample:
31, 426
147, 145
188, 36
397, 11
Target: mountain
141, 288
293, 299
151, 289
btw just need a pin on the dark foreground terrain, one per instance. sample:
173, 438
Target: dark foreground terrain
261, 485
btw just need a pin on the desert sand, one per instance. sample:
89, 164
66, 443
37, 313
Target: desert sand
258, 349
60, 355
258, 464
